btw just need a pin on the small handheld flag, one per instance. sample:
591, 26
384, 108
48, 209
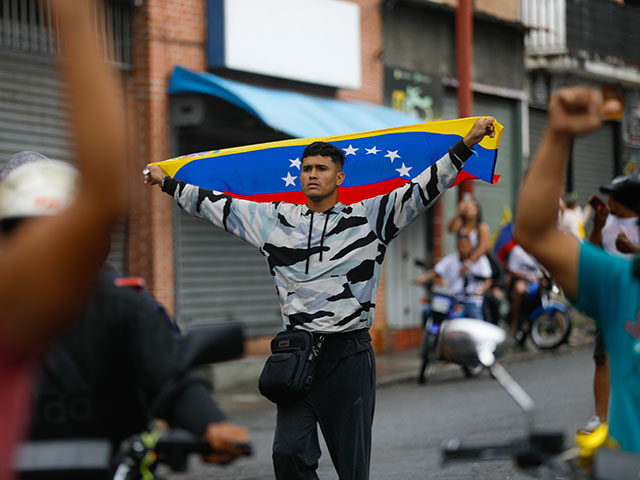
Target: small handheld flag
503, 240
376, 162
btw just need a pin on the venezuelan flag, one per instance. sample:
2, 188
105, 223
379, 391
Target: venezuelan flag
376, 162
503, 241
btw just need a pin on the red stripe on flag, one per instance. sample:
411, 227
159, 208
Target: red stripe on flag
462, 176
506, 248
346, 195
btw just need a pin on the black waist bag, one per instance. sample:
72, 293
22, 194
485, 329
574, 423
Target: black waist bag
287, 375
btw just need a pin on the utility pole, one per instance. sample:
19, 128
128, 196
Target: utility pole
464, 62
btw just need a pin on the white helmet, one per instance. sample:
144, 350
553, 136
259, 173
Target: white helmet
37, 188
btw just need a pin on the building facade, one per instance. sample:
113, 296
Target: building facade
592, 43
420, 77
399, 53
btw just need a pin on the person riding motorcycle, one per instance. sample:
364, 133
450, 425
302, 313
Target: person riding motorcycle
470, 286
524, 271
100, 379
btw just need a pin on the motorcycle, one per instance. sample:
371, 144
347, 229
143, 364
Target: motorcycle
139, 455
592, 456
544, 316
443, 306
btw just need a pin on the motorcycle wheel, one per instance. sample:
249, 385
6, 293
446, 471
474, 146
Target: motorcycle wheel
426, 364
550, 331
472, 370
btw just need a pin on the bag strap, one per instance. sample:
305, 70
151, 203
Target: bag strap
316, 347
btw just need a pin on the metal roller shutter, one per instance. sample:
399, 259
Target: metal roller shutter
537, 124
33, 117
593, 162
493, 198
221, 278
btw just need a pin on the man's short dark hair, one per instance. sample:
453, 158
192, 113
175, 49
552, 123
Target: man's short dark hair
325, 149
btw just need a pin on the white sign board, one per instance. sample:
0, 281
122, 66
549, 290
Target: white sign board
314, 41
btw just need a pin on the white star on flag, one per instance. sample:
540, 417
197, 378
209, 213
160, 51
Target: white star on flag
295, 163
404, 170
351, 150
373, 150
289, 180
392, 155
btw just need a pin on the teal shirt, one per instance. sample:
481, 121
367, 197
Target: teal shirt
610, 294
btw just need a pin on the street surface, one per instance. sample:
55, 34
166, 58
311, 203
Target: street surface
411, 422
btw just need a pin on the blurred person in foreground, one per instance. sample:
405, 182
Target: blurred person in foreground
46, 265
615, 230
605, 287
119, 355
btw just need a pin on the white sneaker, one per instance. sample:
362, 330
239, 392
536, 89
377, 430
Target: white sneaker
591, 426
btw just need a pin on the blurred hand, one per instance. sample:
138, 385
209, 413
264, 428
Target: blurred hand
600, 218
624, 245
577, 110
155, 175
480, 129
225, 438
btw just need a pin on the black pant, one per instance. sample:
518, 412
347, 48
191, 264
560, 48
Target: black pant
342, 401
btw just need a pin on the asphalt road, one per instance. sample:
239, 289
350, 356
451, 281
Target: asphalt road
412, 421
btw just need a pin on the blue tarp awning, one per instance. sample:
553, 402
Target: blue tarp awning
293, 113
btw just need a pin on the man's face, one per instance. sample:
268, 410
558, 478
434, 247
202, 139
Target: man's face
464, 247
319, 177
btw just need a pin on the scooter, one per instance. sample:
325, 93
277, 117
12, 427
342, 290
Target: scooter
443, 306
138, 456
544, 316
590, 457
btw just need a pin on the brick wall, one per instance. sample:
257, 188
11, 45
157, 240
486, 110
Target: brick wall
504, 9
371, 53
166, 33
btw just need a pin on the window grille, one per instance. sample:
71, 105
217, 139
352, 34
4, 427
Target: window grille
25, 26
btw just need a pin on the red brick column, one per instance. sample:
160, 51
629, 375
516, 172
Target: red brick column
166, 33
371, 44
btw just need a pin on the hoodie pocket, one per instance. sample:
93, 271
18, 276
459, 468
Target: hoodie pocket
331, 295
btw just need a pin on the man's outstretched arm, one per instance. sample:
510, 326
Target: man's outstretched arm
573, 111
393, 211
47, 263
248, 220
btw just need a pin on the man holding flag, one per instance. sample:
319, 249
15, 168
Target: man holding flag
326, 260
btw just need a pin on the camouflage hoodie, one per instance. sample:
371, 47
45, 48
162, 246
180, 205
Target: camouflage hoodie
326, 266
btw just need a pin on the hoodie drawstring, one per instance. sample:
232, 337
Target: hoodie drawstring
306, 270
324, 230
